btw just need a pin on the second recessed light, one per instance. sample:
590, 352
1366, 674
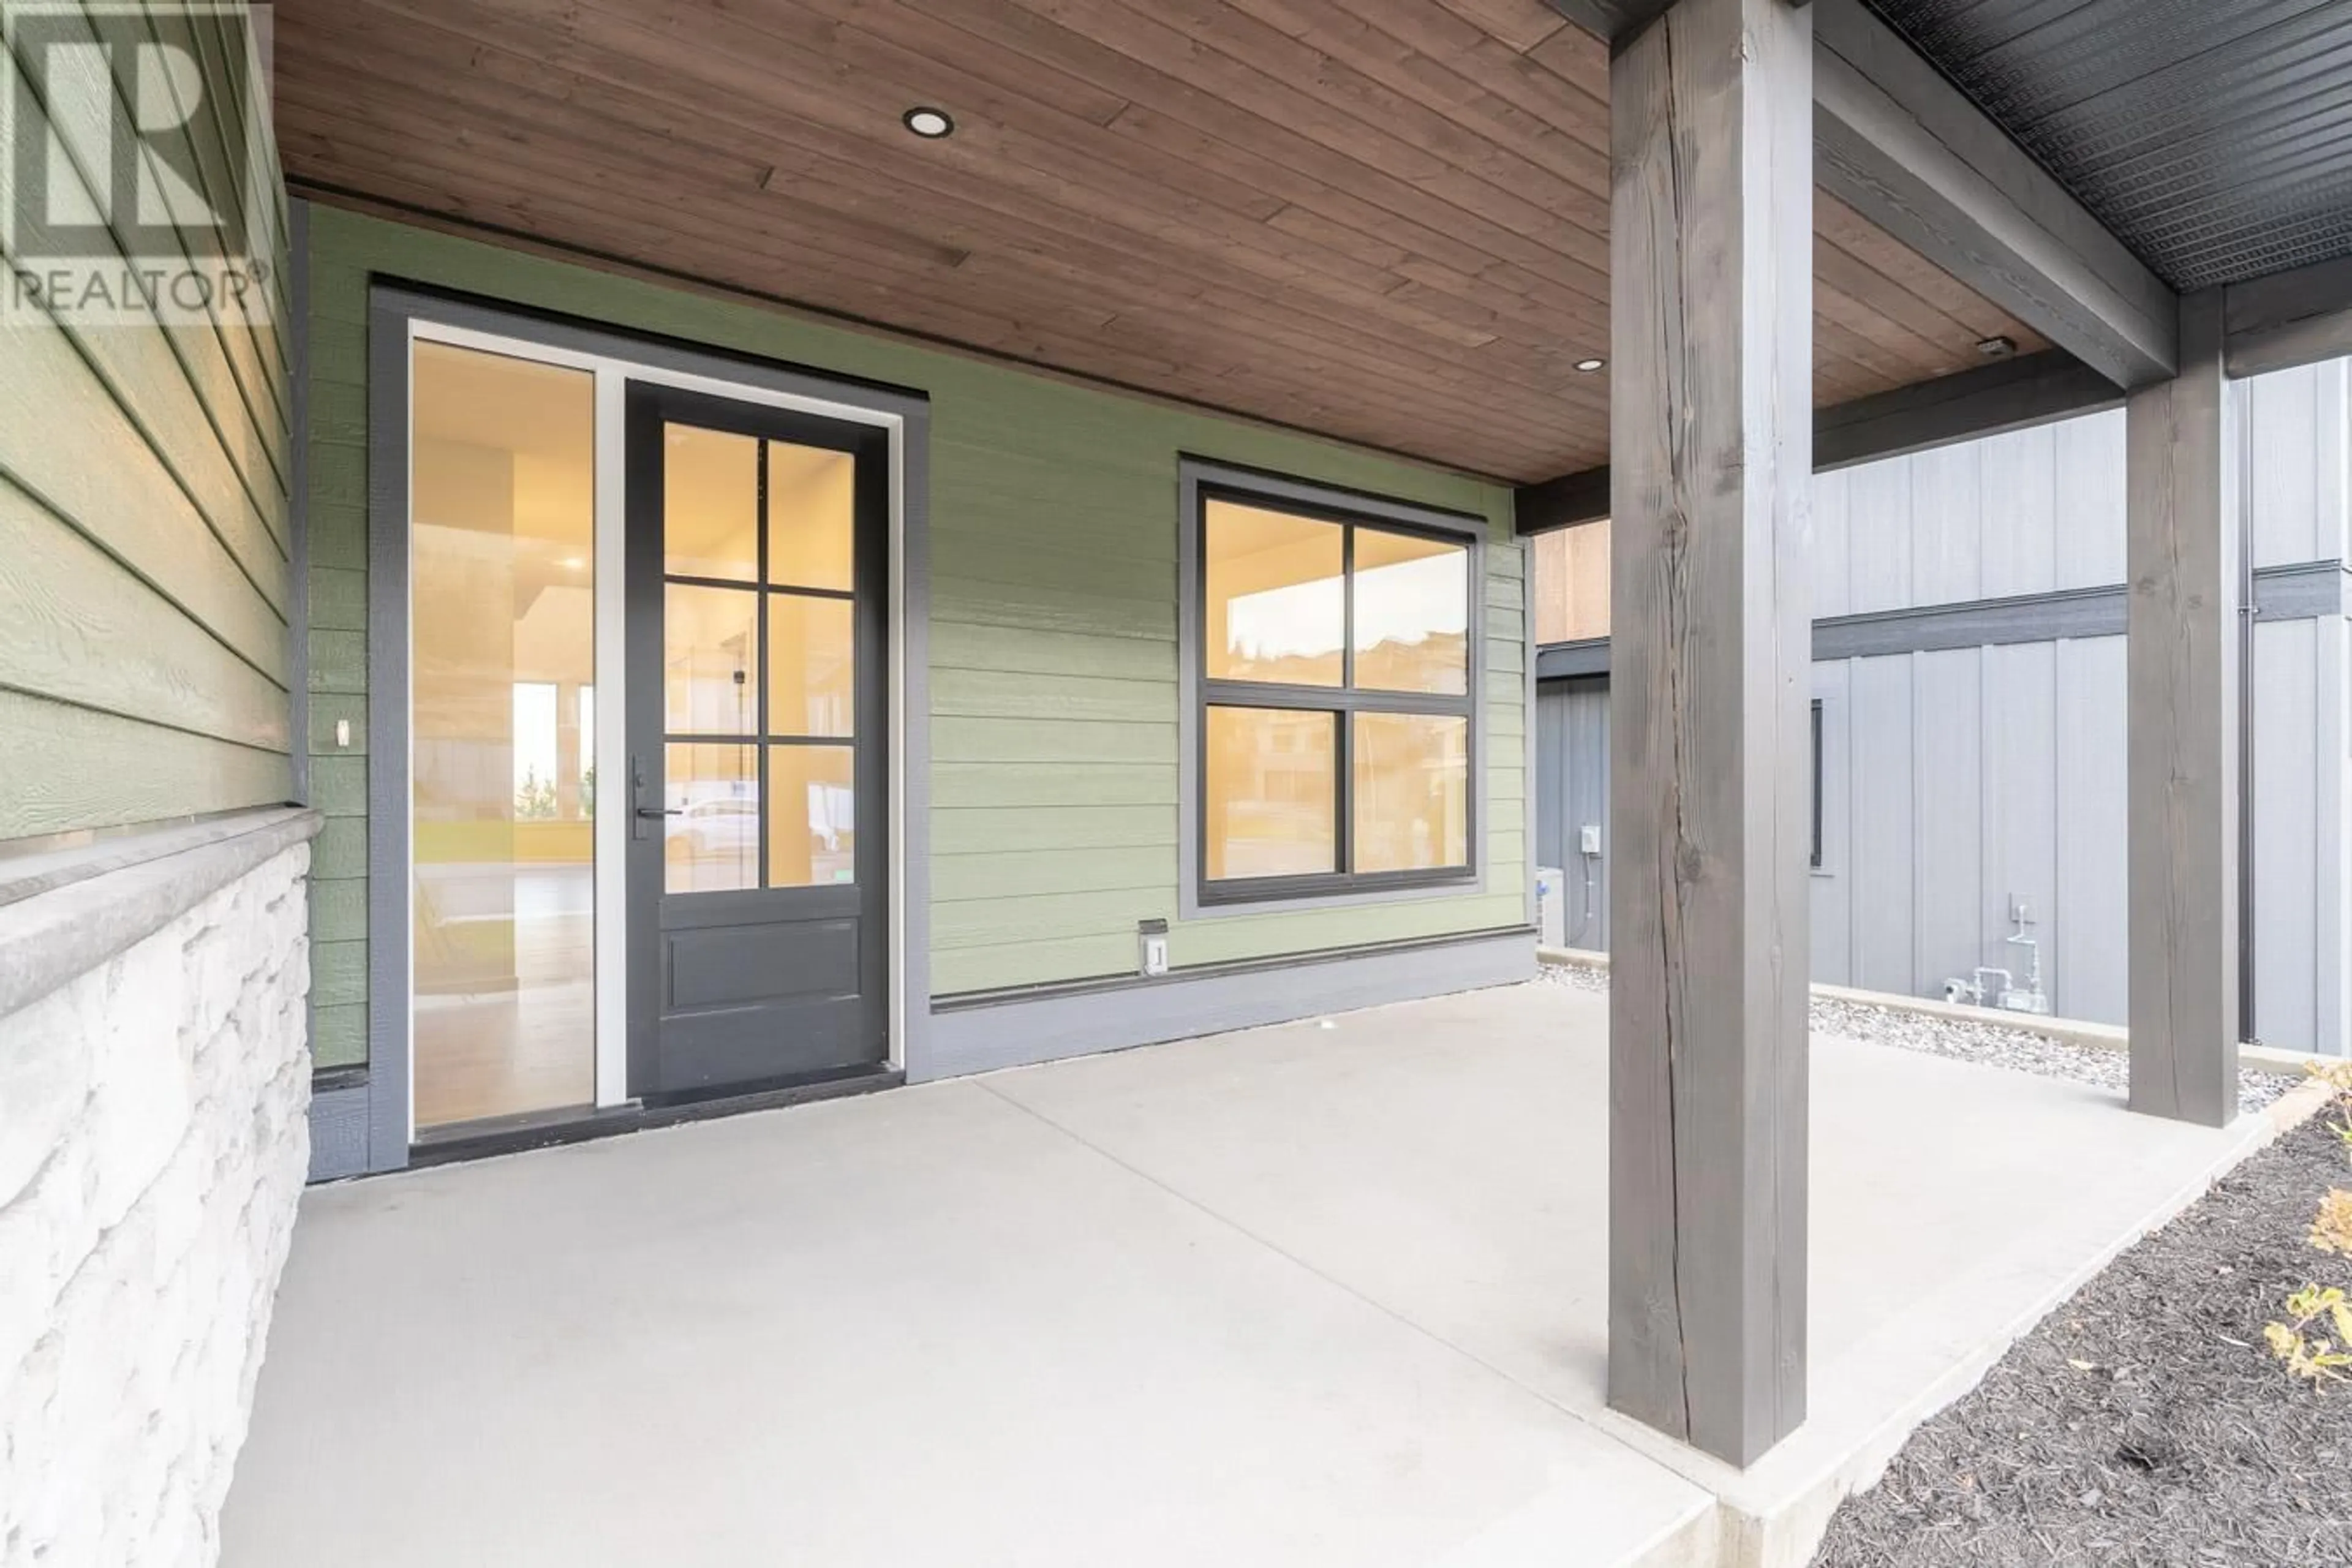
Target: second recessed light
927, 123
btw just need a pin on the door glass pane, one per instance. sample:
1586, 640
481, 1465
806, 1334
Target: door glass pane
713, 840
501, 554
710, 666
1276, 604
711, 498
1273, 793
1412, 614
812, 517
811, 666
813, 840
1412, 791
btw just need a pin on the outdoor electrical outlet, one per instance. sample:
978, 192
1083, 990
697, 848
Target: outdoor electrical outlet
1592, 838
1152, 938
342, 732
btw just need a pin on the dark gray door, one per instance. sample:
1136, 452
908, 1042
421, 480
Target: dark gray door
758, 859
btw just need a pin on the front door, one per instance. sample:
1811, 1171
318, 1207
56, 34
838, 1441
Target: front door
756, 565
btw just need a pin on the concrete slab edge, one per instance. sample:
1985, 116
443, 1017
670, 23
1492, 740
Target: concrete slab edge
2068, 1031
1787, 1536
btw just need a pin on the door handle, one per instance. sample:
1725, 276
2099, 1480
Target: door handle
643, 813
655, 813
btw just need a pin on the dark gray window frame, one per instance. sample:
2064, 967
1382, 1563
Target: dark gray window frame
1198, 481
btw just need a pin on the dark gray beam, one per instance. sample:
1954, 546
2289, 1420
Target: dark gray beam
1903, 146
1711, 261
2012, 395
1611, 20
2182, 799
2288, 319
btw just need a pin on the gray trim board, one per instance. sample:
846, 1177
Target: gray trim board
298, 501
391, 308
2304, 591
388, 923
339, 1129
1992, 399
90, 903
1191, 473
982, 1035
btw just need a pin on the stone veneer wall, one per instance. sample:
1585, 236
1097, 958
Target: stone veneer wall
153, 1144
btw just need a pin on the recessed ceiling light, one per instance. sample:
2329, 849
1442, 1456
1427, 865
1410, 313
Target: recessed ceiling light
1996, 348
1589, 365
927, 123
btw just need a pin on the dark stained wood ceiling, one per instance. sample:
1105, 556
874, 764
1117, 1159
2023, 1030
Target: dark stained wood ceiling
1383, 219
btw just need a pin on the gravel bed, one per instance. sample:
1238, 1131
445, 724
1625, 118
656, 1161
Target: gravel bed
2144, 1424
1968, 1040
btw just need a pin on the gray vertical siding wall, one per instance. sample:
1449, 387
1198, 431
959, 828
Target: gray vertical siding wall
1957, 779
1571, 771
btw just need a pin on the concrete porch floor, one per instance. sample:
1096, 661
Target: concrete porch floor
1300, 1295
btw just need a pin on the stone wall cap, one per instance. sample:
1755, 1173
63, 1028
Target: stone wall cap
65, 912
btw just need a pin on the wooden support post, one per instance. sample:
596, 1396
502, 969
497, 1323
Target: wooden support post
1710, 462
2183, 556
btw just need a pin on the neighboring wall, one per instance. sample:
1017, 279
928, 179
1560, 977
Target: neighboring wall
1051, 629
154, 1076
144, 585
1958, 779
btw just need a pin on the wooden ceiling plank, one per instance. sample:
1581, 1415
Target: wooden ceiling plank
1520, 23
1305, 372
1337, 149
870, 193
1891, 259
1426, 51
1254, 43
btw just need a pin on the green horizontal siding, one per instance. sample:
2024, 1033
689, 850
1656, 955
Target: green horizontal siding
1055, 776
144, 583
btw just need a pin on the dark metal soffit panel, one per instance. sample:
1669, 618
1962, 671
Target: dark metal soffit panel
2213, 137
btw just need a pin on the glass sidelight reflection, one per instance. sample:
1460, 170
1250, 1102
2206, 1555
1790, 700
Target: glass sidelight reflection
503, 785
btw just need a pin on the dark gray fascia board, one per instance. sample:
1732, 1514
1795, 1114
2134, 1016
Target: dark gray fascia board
1993, 399
1571, 660
1611, 19
2289, 319
2306, 590
2012, 395
1562, 502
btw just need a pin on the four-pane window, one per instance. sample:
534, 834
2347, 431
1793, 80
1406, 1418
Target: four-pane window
1336, 711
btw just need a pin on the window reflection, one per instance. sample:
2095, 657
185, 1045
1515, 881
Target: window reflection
1272, 779
1411, 773
1276, 596
1413, 610
502, 779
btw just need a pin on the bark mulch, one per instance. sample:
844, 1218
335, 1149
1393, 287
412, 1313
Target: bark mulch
2144, 1422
